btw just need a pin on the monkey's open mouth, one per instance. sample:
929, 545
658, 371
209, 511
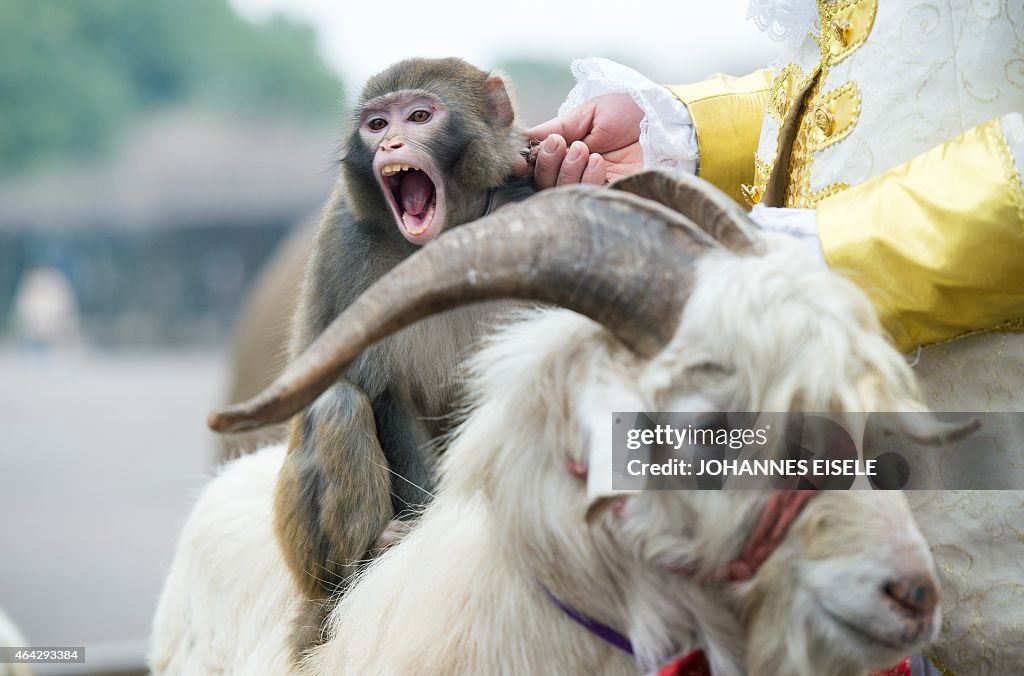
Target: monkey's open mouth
413, 197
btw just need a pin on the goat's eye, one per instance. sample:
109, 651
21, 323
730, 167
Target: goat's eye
419, 116
377, 123
709, 368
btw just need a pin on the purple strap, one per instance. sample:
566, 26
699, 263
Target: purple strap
599, 629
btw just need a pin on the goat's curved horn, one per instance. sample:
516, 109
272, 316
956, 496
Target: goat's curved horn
619, 259
711, 209
928, 430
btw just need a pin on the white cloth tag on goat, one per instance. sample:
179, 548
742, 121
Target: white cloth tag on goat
597, 404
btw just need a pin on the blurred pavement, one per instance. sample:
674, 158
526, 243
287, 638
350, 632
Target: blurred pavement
101, 456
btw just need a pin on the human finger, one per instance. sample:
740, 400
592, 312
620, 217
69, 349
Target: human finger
572, 126
549, 161
574, 164
596, 171
546, 129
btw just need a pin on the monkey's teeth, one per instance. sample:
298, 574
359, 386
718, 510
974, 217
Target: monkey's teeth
428, 218
392, 169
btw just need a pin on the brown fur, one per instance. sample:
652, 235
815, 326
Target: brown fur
362, 454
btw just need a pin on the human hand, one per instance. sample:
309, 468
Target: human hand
604, 134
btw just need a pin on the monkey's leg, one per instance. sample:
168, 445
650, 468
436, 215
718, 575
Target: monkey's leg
406, 443
332, 499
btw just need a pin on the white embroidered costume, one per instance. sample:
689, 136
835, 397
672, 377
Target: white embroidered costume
889, 138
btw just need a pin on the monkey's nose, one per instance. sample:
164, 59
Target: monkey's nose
917, 594
391, 144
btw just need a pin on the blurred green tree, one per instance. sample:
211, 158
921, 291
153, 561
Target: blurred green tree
72, 73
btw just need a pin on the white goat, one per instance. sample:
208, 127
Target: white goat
513, 539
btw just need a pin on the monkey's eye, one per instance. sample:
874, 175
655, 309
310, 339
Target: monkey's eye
419, 116
377, 123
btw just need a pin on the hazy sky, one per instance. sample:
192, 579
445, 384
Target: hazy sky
677, 41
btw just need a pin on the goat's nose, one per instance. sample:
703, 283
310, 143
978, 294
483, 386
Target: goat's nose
916, 594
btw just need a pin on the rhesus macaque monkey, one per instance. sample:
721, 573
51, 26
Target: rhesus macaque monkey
433, 146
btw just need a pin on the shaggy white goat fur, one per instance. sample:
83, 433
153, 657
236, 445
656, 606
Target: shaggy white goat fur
462, 593
228, 597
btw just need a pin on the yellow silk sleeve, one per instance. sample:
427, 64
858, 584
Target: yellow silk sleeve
727, 113
938, 242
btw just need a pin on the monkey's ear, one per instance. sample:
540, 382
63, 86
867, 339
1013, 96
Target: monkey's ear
499, 100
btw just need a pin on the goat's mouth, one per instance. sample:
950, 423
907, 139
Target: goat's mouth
888, 636
416, 200
861, 635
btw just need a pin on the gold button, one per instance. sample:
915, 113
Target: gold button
842, 30
825, 121
782, 103
752, 193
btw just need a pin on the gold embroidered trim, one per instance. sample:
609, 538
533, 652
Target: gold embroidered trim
1011, 326
830, 119
943, 669
839, 110
754, 192
1012, 173
782, 94
784, 88
801, 156
762, 170
848, 27
826, 192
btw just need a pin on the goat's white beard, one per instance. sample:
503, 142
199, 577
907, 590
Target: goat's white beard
786, 21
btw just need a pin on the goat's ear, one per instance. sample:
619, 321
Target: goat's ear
600, 505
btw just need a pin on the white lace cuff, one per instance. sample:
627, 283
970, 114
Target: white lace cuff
667, 134
799, 223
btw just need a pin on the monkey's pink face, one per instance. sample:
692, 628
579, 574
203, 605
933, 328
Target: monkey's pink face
399, 129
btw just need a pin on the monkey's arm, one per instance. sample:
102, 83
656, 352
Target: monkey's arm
333, 493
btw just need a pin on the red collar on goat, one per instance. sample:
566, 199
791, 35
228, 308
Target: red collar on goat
782, 509
778, 515
694, 663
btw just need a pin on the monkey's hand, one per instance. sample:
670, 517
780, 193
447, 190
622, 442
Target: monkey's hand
333, 497
394, 532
